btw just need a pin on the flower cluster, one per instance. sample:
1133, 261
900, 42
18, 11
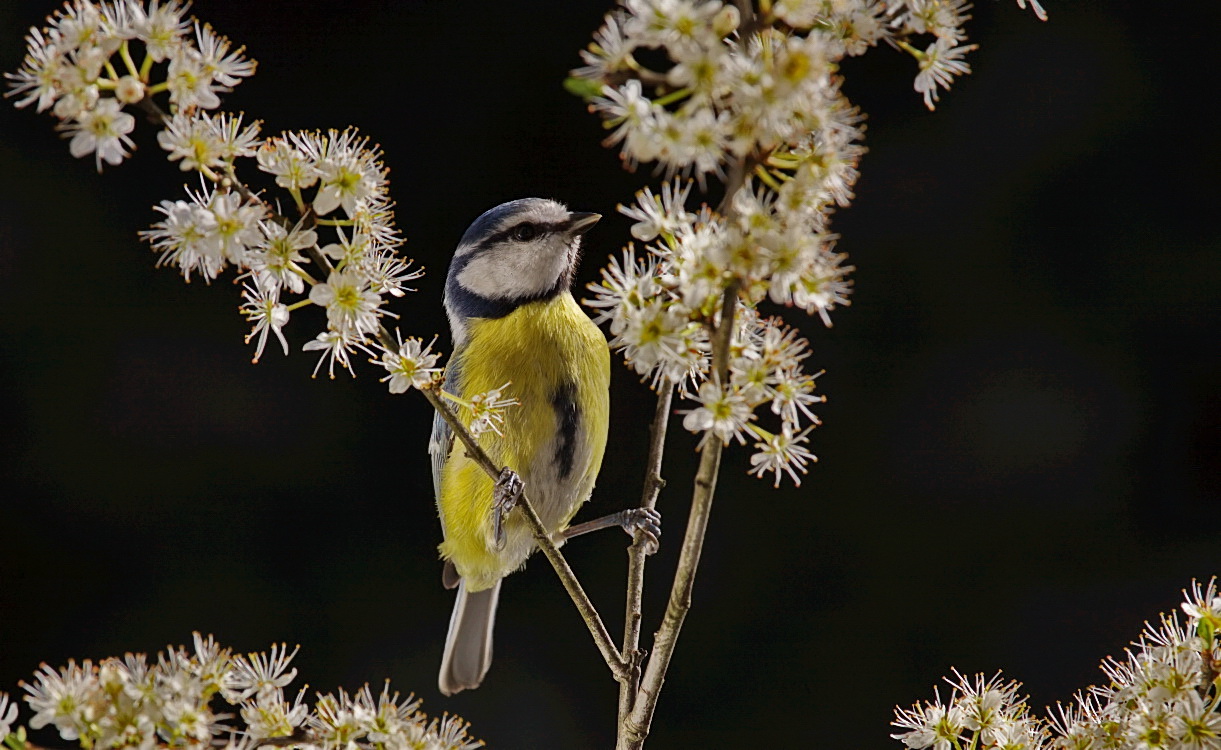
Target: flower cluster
70, 69
1164, 694
342, 243
979, 713
132, 703
756, 102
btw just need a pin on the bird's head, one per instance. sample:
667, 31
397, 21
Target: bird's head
518, 252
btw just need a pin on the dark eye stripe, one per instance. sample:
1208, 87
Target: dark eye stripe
506, 234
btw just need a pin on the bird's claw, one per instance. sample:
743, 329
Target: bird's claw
505, 496
648, 522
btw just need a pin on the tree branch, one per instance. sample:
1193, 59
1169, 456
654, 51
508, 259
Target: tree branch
634, 728
653, 483
618, 665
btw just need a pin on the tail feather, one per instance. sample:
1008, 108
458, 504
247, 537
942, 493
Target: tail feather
468, 645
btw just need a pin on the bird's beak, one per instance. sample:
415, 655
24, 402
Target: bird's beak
580, 222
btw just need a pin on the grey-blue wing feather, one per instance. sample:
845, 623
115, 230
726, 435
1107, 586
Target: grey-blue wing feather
442, 440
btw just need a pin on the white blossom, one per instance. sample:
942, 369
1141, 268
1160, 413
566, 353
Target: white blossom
939, 63
8, 715
260, 674
276, 259
336, 348
293, 168
263, 308
161, 26
102, 131
224, 66
659, 214
487, 410
351, 306
722, 413
412, 364
782, 452
128, 703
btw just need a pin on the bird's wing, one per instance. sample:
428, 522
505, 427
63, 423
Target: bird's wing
439, 446
442, 439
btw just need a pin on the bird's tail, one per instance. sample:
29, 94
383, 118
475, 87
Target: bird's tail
468, 646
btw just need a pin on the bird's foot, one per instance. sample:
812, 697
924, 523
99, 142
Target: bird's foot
505, 497
645, 520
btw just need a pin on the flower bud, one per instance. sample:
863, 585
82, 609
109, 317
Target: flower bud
726, 20
129, 90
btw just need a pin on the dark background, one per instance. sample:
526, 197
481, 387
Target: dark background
1019, 461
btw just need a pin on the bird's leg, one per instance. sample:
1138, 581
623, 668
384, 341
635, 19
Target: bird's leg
505, 496
646, 520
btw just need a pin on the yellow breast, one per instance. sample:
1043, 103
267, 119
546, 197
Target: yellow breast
558, 366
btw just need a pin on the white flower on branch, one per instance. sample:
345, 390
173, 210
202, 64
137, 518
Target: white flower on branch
931, 725
487, 410
657, 338
37, 79
336, 348
635, 120
1034, 6
236, 228
8, 715
609, 52
293, 168
662, 214
782, 452
723, 413
939, 63
259, 674
268, 715
128, 703
351, 306
1162, 695
179, 238
276, 258
225, 67
215, 229
262, 307
72, 66
624, 287
350, 170
191, 83
101, 130
204, 141
1204, 605
388, 273
64, 697
161, 27
412, 364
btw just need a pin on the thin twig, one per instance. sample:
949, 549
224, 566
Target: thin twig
653, 483
634, 728
614, 659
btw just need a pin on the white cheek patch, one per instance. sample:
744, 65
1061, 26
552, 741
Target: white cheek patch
513, 271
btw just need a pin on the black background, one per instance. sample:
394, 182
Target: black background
1019, 461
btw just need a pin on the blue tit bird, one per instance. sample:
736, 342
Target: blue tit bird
514, 320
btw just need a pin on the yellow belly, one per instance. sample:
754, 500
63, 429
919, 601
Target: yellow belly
544, 349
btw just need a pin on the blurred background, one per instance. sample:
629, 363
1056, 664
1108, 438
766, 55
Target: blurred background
1020, 455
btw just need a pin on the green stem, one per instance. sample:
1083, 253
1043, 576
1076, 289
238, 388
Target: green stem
300, 304
125, 55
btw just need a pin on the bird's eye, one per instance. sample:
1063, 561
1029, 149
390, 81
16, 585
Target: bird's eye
524, 232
